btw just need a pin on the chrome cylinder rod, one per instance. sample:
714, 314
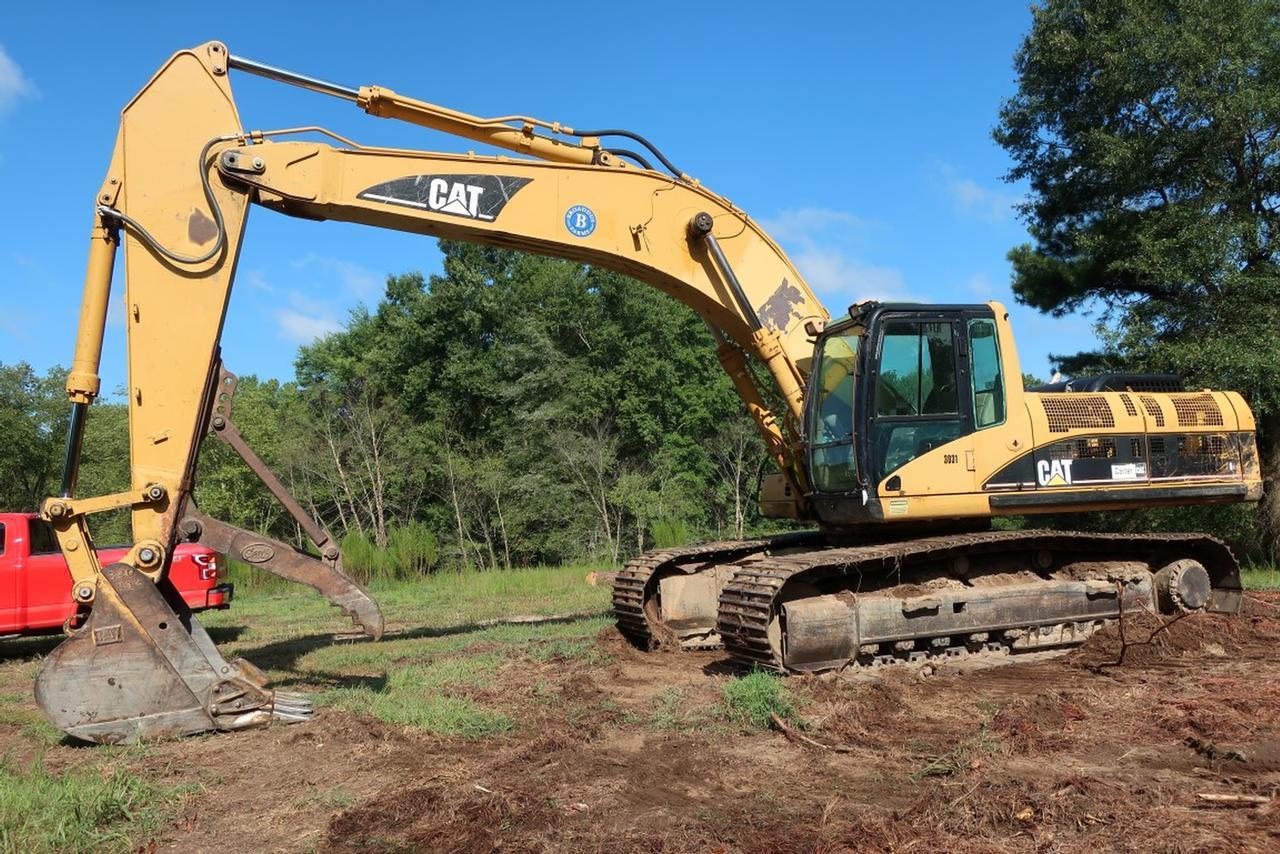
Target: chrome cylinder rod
270, 72
71, 457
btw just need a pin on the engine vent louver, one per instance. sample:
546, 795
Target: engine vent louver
1067, 412
1128, 404
1197, 410
1153, 408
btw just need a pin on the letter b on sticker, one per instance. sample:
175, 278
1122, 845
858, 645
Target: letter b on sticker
580, 220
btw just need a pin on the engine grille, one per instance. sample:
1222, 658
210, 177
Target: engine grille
1154, 409
1196, 410
1067, 412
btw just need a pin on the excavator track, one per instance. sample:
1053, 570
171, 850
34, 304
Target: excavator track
909, 601
635, 590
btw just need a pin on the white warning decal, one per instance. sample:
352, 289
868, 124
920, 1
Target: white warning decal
1128, 471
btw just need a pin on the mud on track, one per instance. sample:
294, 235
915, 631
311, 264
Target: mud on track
628, 752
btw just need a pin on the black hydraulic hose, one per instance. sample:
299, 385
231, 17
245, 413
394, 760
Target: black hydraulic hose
637, 138
625, 152
146, 237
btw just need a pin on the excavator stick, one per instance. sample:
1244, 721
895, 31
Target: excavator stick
142, 667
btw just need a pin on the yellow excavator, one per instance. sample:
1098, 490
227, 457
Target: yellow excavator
901, 430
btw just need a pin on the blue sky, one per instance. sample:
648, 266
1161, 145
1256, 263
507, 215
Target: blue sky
858, 133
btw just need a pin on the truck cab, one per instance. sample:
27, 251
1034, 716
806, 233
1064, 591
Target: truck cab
35, 583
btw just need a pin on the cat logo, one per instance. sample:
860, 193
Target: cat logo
460, 199
1054, 472
479, 197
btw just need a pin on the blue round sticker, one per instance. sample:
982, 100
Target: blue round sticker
580, 221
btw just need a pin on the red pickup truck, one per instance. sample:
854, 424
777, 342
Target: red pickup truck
35, 584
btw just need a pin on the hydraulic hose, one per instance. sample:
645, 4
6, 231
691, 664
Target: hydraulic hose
636, 138
146, 236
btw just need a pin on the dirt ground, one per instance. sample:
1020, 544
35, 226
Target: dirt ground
620, 751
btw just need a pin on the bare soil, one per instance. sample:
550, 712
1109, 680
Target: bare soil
627, 752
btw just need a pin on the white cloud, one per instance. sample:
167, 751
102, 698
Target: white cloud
256, 280
804, 223
302, 329
14, 85
359, 281
306, 320
833, 274
115, 309
822, 244
977, 201
981, 286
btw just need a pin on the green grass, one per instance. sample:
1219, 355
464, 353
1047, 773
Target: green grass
1260, 577
77, 811
569, 649
448, 638
672, 711
15, 710
751, 700
424, 696
445, 598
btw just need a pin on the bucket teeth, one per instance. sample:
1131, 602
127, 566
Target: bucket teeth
291, 709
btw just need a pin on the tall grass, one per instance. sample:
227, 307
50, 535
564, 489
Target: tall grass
1260, 576
669, 533
411, 552
76, 811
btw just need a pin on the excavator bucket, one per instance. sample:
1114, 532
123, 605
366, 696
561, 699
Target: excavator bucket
142, 667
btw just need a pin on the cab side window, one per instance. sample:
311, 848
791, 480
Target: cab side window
43, 541
988, 385
917, 370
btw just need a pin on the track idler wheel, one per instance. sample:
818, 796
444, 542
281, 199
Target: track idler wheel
142, 667
1183, 586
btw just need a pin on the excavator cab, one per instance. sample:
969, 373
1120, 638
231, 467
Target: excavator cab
893, 383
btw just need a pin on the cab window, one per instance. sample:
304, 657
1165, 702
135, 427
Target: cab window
831, 429
917, 401
988, 386
917, 370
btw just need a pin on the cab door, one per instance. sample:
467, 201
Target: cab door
921, 401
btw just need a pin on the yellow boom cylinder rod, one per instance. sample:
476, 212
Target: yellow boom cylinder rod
385, 103
83, 382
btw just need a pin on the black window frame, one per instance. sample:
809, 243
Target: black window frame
956, 315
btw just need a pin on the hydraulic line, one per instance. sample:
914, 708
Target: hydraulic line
635, 137
146, 237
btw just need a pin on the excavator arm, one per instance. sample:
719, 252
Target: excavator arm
182, 178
